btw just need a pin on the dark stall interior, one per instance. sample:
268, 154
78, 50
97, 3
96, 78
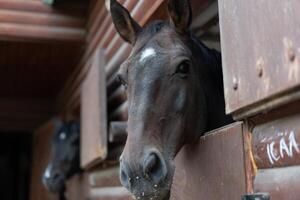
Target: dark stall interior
15, 159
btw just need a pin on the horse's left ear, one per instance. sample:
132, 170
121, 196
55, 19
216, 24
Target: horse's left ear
180, 13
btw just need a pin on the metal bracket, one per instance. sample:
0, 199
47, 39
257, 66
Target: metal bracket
257, 196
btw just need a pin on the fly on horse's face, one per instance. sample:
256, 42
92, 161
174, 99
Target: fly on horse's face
167, 77
65, 156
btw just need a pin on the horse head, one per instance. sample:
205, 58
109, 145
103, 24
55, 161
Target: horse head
64, 161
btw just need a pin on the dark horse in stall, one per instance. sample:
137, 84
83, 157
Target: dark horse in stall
175, 94
65, 158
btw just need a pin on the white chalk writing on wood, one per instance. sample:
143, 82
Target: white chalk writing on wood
287, 147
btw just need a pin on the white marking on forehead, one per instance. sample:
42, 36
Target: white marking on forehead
47, 172
62, 136
147, 53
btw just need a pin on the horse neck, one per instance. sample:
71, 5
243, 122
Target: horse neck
211, 80
62, 196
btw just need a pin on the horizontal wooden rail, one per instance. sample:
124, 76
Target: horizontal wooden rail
34, 21
10, 31
47, 19
116, 98
120, 114
117, 132
40, 7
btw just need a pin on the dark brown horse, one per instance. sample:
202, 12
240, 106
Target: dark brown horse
65, 158
175, 94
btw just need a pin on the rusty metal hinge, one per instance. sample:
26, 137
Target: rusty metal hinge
257, 196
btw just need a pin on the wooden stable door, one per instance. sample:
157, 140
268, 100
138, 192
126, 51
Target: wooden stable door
276, 153
260, 54
213, 168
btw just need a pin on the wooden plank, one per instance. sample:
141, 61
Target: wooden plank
21, 17
120, 113
213, 168
277, 143
250, 167
105, 178
40, 7
117, 132
96, 10
17, 32
110, 193
93, 114
260, 52
280, 183
77, 187
116, 98
30, 6
41, 156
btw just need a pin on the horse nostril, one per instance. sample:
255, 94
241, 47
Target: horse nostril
124, 177
155, 168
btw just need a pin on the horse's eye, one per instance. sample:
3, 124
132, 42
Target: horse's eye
121, 80
183, 69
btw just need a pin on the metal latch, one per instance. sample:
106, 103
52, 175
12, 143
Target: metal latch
257, 196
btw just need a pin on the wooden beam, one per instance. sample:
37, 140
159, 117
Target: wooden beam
40, 7
118, 193
24, 114
33, 21
117, 132
18, 32
41, 19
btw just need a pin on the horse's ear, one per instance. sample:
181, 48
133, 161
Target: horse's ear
57, 123
180, 14
124, 23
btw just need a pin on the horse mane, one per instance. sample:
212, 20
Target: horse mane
211, 67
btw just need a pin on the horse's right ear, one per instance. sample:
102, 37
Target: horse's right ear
124, 23
180, 14
57, 123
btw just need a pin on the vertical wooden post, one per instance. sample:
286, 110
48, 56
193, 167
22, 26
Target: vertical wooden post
94, 114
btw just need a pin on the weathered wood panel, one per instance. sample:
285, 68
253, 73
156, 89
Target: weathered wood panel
41, 156
93, 114
213, 168
260, 52
105, 178
45, 19
38, 6
9, 31
276, 143
77, 187
280, 183
110, 193
105, 185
